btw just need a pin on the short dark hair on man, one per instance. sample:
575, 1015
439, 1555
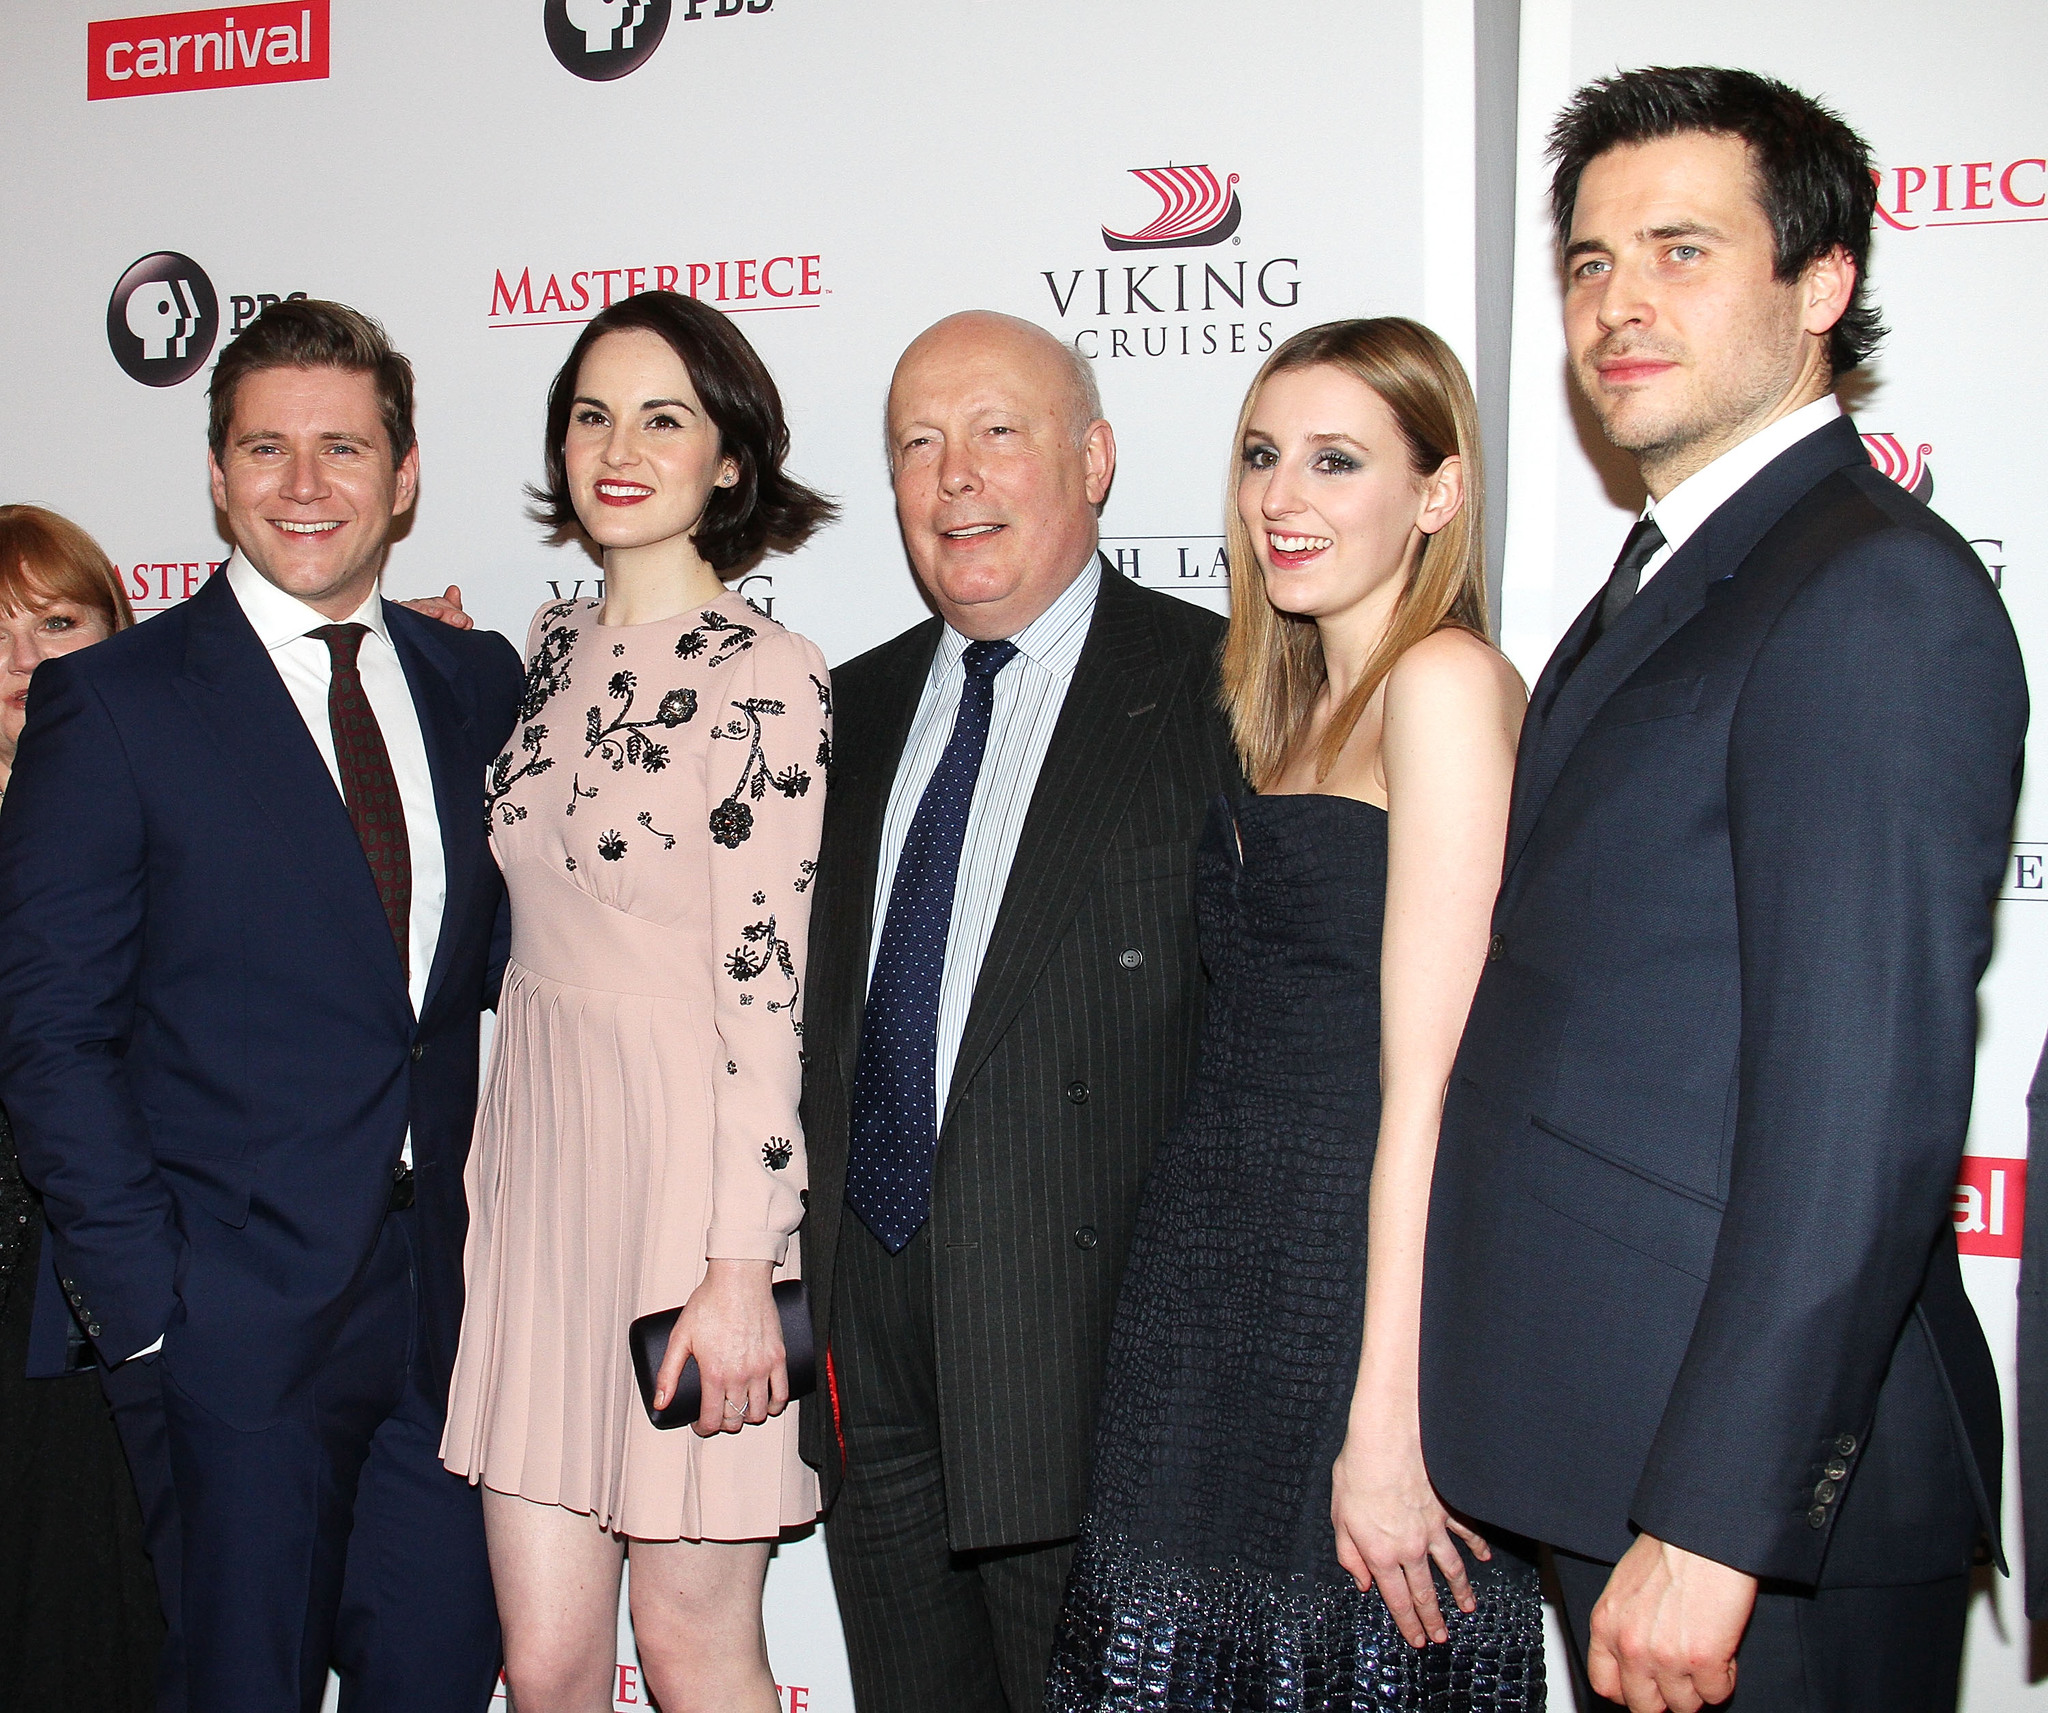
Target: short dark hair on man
311, 333
766, 508
1814, 178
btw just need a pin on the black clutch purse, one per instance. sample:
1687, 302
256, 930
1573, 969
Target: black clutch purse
648, 1338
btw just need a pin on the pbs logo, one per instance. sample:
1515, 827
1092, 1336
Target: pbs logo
599, 40
163, 319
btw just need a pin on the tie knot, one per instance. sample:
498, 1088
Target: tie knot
984, 660
1642, 544
344, 642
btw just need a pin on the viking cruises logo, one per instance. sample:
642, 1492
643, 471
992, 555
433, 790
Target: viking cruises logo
162, 319
600, 40
1199, 307
1194, 210
1909, 468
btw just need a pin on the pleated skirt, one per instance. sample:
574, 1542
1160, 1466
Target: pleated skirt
589, 1188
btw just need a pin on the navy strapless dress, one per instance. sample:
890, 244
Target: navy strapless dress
1207, 1575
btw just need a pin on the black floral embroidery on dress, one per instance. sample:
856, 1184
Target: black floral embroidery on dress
765, 946
577, 794
646, 819
503, 776
724, 637
610, 846
625, 741
732, 822
806, 872
760, 898
777, 1152
618, 648
731, 1069
547, 674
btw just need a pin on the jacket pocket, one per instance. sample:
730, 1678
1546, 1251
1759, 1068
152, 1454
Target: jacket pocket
1663, 701
1621, 1201
219, 1186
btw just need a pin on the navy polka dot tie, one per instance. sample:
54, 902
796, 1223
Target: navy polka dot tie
895, 1085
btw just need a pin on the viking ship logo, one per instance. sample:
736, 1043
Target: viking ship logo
1909, 469
1194, 210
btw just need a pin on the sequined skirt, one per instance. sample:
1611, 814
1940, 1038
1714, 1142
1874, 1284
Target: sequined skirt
1144, 1635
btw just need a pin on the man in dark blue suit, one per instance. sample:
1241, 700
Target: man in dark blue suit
248, 922
1693, 1314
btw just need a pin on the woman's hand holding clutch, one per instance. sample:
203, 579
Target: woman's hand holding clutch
731, 1327
1391, 1527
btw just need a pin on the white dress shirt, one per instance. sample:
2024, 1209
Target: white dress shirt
1703, 493
1029, 693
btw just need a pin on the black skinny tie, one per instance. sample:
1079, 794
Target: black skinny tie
1643, 544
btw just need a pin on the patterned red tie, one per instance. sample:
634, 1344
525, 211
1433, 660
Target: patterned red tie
368, 785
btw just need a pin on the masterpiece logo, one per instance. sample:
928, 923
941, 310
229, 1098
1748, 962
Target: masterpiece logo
1163, 308
1963, 193
745, 286
164, 317
223, 48
599, 40
155, 584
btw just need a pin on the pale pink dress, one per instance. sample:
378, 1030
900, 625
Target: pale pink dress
656, 817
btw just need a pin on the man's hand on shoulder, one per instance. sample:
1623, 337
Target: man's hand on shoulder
447, 608
1665, 1631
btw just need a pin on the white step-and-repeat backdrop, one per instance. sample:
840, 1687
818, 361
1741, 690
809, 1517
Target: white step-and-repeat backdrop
482, 179
1175, 189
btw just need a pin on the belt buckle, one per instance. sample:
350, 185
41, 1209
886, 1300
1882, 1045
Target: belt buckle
401, 1187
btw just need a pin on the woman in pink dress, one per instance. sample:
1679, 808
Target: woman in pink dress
656, 817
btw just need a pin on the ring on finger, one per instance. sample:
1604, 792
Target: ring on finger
735, 1406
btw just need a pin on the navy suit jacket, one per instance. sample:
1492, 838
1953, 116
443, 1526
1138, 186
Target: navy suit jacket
207, 1047
1691, 1266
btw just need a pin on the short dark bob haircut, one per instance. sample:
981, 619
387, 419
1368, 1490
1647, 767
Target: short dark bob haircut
1813, 173
766, 509
310, 333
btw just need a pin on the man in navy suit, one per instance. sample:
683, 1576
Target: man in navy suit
1693, 1313
248, 922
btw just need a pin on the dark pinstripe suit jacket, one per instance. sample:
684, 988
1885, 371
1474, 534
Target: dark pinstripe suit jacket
1075, 1054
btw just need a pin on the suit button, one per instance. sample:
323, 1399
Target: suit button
1817, 1518
1825, 1493
1085, 1238
71, 1284
419, 1051
1077, 1092
1845, 1443
1131, 959
1494, 947
92, 1329
1835, 1469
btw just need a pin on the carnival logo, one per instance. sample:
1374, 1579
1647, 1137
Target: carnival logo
1888, 455
1194, 210
162, 319
600, 40
219, 49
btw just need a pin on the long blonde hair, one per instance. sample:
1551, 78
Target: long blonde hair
1273, 667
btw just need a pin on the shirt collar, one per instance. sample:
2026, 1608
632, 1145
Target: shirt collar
1682, 511
1054, 639
278, 618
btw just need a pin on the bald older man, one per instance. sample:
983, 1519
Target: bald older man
1004, 1000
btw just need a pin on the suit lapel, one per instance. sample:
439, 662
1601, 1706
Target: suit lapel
232, 686
1109, 724
445, 725
869, 749
1717, 549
